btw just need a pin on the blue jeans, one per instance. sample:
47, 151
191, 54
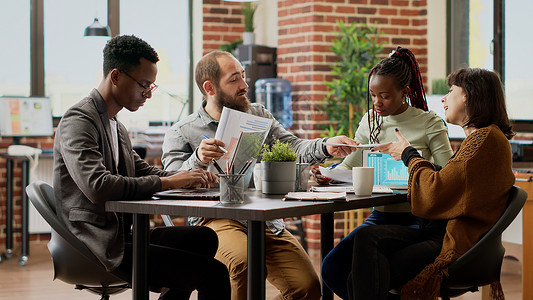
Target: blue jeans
337, 265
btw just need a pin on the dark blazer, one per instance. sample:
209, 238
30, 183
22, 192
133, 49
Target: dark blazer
86, 176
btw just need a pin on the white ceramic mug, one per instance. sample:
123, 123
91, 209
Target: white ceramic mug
363, 180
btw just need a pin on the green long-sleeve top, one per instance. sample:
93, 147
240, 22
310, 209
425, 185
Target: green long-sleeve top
424, 130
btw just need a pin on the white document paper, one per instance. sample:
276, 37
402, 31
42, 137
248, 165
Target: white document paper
232, 123
337, 174
354, 146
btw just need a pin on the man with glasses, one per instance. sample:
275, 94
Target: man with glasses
147, 89
94, 163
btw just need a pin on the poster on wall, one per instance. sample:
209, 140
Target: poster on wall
25, 116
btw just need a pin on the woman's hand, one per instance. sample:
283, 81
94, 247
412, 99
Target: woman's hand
395, 149
193, 178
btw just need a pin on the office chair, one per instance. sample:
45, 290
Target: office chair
481, 265
73, 262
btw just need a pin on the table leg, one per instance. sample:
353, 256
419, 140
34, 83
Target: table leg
140, 256
9, 208
256, 260
326, 244
25, 251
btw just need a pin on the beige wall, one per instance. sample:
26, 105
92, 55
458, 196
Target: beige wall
266, 23
436, 41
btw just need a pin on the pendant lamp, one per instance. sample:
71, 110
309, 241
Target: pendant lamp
97, 29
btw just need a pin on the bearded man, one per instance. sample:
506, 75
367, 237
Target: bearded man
221, 79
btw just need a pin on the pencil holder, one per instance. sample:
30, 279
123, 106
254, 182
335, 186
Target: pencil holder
231, 188
302, 177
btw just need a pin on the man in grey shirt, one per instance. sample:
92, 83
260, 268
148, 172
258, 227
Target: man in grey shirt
221, 80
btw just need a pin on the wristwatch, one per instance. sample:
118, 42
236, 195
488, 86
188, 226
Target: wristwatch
325, 149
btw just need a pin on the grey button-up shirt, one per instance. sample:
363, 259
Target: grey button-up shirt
181, 143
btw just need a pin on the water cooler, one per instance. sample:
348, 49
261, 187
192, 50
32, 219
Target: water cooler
275, 95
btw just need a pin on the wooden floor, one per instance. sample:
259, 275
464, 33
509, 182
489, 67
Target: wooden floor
34, 281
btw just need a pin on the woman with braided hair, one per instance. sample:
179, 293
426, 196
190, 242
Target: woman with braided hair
396, 99
457, 204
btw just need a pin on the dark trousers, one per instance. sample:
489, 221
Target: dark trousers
387, 256
337, 265
181, 259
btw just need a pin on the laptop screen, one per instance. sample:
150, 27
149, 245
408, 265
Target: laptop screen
387, 171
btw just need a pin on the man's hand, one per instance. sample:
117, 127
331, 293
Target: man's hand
209, 149
395, 149
341, 151
193, 178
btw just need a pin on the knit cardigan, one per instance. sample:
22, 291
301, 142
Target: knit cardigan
471, 192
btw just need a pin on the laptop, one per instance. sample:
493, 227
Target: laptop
189, 194
387, 171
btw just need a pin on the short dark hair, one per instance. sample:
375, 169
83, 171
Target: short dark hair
124, 52
209, 69
485, 98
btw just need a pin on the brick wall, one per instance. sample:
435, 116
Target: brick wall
223, 23
306, 29
305, 32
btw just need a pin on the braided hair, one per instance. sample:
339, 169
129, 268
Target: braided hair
402, 66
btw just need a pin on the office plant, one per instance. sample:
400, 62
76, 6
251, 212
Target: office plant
357, 48
278, 168
248, 11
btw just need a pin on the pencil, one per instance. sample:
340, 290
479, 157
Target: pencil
219, 169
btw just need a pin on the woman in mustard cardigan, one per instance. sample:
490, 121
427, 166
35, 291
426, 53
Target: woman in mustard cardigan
457, 203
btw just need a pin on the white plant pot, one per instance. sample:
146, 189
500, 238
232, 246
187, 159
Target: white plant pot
248, 38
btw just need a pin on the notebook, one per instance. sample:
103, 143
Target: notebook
387, 171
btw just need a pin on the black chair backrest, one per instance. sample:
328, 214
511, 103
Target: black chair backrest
481, 265
73, 262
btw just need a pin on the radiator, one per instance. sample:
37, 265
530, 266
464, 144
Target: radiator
44, 172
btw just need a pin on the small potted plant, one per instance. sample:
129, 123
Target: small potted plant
278, 168
248, 11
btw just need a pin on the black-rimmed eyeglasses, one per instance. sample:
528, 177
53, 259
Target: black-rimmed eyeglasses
146, 89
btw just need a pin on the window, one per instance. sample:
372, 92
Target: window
164, 25
73, 62
518, 60
481, 34
15, 58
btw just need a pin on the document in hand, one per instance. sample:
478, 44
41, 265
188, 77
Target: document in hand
243, 134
